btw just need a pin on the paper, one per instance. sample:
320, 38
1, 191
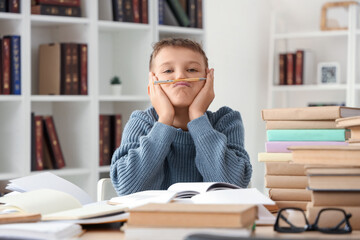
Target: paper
50, 181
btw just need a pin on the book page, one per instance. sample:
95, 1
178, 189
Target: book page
189, 189
42, 201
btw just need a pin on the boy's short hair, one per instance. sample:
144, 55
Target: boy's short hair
177, 42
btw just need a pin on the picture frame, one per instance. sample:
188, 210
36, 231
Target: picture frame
328, 73
325, 22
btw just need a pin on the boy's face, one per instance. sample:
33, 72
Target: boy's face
177, 62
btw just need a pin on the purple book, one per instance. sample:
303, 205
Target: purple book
281, 147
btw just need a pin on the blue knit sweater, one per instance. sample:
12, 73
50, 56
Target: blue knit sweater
153, 155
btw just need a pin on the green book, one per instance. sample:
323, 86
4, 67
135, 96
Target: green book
179, 12
307, 135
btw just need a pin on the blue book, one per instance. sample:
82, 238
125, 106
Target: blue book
15, 64
161, 12
307, 135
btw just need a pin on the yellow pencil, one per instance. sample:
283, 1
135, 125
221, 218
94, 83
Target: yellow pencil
179, 80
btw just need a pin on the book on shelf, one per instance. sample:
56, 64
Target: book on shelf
333, 155
14, 6
199, 14
335, 198
15, 64
161, 4
116, 131
74, 69
134, 11
193, 215
38, 142
117, 10
191, 12
274, 157
71, 3
282, 146
56, 10
128, 11
168, 16
301, 124
282, 69
289, 194
336, 135
305, 67
83, 68
309, 113
179, 12
283, 181
290, 68
6, 68
66, 68
284, 168
3, 5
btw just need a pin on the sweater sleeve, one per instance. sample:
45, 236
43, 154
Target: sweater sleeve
137, 165
221, 156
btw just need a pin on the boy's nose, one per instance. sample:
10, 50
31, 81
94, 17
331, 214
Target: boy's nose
181, 74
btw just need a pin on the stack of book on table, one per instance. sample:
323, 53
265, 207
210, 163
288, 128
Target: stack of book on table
353, 124
286, 127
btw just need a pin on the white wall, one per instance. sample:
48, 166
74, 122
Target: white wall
237, 33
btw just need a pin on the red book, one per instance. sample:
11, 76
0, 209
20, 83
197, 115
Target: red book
83, 68
107, 151
199, 19
290, 73
299, 67
101, 140
136, 10
53, 143
116, 131
282, 69
74, 69
70, 3
14, 6
39, 161
5, 88
66, 69
144, 11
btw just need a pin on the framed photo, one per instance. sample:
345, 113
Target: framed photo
328, 73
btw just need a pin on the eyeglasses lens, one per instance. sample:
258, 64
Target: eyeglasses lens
292, 218
332, 219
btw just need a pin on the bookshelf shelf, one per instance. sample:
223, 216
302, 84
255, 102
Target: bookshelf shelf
336, 87
114, 49
314, 34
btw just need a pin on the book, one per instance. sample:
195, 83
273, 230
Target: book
289, 194
338, 155
66, 69
6, 68
116, 131
136, 11
337, 135
282, 69
290, 71
15, 64
18, 217
73, 3
83, 68
335, 198
40, 230
118, 10
283, 181
74, 69
144, 8
128, 10
3, 5
39, 135
199, 14
193, 215
168, 16
14, 6
191, 12
56, 10
282, 146
1, 65
334, 182
308, 124
348, 122
274, 157
284, 168
179, 12
161, 4
53, 142
105, 146
305, 68
293, 204
309, 113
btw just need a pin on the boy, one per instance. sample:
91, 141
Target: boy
177, 139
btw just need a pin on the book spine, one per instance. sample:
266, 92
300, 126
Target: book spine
3, 5
136, 10
191, 12
128, 11
33, 142
284, 194
1, 65
118, 130
6, 65
69, 3
161, 11
66, 69
290, 72
284, 168
118, 10
83, 68
53, 142
292, 182
199, 14
14, 6
15, 61
107, 140
56, 10
179, 12
299, 67
337, 135
282, 147
144, 11
282, 69
101, 140
74, 69
39, 162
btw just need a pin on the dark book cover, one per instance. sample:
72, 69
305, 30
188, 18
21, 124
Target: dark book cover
191, 12
33, 142
66, 69
144, 8
6, 66
116, 131
128, 11
69, 3
136, 10
53, 143
169, 18
299, 67
101, 140
199, 14
74, 69
161, 11
39, 135
3, 5
179, 12
14, 6
282, 69
56, 10
1, 66
15, 64
118, 10
83, 68
107, 140
290, 71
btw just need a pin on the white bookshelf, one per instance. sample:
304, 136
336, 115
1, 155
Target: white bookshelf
345, 50
114, 48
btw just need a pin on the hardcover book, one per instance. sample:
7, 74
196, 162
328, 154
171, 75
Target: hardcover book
179, 12
118, 10
297, 182
274, 157
66, 69
83, 68
53, 143
15, 64
14, 6
348, 122
294, 124
56, 10
289, 194
282, 146
39, 135
293, 204
282, 69
199, 14
74, 69
284, 168
144, 8
290, 71
337, 135
73, 3
6, 67
335, 198
49, 69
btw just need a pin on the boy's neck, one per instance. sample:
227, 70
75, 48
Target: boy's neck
181, 118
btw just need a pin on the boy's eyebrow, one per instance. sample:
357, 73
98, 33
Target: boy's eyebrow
171, 62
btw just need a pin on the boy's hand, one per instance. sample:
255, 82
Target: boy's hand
160, 101
204, 98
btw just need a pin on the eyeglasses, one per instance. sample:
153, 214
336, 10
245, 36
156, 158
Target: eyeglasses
328, 220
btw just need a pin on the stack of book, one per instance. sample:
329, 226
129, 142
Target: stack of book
12, 6
353, 124
135, 11
184, 13
63, 69
69, 8
10, 65
333, 174
45, 144
286, 127
110, 131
